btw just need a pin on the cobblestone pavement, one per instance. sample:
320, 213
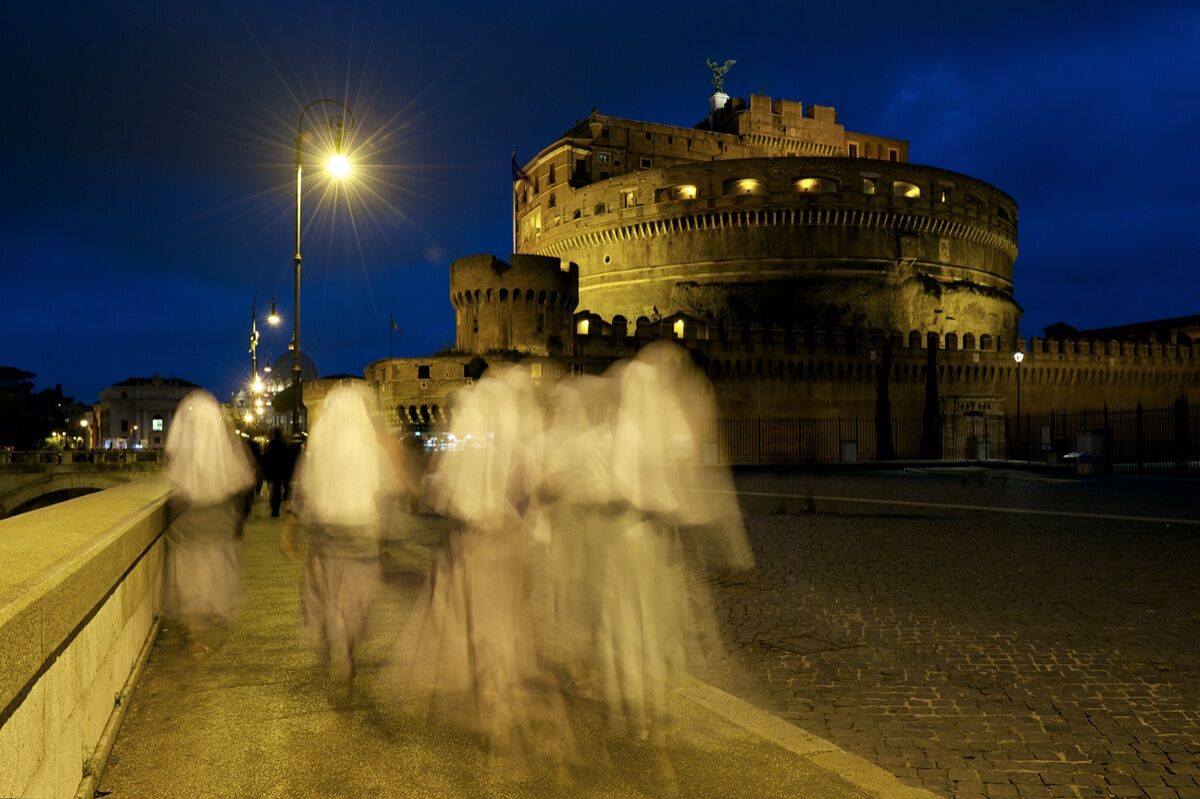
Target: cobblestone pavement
976, 653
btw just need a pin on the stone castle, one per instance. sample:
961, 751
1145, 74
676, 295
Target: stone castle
812, 272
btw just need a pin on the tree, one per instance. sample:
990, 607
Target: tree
27, 418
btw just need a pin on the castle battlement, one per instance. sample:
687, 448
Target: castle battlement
777, 338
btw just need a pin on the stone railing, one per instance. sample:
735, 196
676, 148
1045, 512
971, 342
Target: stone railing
79, 595
132, 458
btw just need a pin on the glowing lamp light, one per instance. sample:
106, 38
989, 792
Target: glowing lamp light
257, 385
249, 417
83, 422
338, 166
273, 318
1018, 356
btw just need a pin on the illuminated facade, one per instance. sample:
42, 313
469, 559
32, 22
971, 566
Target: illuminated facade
812, 272
136, 413
770, 212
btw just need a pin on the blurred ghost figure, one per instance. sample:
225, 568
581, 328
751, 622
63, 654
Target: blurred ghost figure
468, 651
208, 470
665, 522
580, 509
342, 478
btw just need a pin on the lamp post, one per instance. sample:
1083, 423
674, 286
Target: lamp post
338, 121
1019, 356
273, 320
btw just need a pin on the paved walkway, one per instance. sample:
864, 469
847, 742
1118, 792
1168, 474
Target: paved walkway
252, 720
979, 653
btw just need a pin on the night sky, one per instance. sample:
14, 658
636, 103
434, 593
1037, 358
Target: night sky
148, 185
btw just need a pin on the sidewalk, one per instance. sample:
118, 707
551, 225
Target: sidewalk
252, 720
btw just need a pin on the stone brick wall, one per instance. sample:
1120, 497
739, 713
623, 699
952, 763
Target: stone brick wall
79, 591
526, 302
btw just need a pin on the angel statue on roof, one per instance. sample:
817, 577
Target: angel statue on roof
718, 73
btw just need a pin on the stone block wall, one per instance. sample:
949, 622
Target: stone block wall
80, 587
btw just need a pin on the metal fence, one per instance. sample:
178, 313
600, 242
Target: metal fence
1139, 440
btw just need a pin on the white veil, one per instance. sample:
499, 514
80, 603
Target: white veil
205, 463
344, 471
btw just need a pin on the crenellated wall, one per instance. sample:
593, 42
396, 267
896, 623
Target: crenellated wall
524, 303
814, 373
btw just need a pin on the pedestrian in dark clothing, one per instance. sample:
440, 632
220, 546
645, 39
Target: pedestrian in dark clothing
256, 451
277, 468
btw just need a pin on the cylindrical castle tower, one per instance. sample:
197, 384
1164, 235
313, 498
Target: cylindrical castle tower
770, 212
823, 241
525, 304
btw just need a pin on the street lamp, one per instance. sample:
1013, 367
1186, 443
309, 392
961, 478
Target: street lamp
272, 319
88, 433
1019, 356
338, 118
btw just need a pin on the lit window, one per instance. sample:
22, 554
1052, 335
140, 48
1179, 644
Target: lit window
628, 199
683, 192
535, 370
902, 188
814, 185
156, 424
602, 157
745, 186
678, 327
868, 186
582, 327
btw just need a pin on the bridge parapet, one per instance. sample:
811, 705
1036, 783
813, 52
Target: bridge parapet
79, 592
104, 458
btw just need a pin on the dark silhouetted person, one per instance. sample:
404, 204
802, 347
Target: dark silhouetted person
277, 468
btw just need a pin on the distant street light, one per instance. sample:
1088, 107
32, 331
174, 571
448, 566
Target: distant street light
1019, 356
338, 165
272, 319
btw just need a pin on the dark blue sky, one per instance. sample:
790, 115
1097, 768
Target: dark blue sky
148, 187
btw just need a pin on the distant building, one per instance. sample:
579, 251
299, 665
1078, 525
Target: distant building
258, 414
136, 413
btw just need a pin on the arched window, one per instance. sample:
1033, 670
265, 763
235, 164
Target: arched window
815, 185
685, 191
902, 188
868, 186
744, 186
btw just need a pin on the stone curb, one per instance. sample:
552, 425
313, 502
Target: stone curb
855, 770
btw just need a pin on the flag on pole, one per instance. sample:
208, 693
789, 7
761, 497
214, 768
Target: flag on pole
517, 172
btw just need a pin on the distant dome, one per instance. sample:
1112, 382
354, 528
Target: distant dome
281, 369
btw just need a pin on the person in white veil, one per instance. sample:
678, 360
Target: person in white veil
342, 478
468, 652
655, 620
209, 473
